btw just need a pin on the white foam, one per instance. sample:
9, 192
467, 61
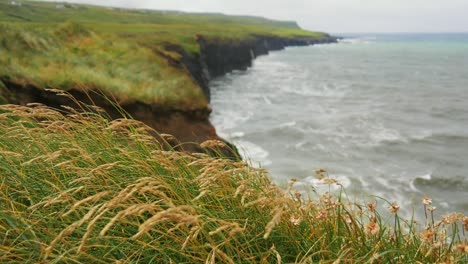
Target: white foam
320, 90
422, 135
301, 144
382, 181
412, 187
253, 153
235, 135
364, 40
288, 124
426, 177
230, 119
320, 184
384, 135
342, 179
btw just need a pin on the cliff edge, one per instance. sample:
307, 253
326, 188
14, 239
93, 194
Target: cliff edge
217, 58
153, 66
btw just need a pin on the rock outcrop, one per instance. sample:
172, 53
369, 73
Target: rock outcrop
220, 58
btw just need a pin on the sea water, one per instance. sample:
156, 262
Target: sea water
386, 115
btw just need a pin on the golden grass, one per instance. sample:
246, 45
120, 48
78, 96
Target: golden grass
77, 188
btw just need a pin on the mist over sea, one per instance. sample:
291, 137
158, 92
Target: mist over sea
386, 115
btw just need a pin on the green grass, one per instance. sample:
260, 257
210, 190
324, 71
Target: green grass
36, 11
117, 51
162, 25
82, 189
70, 56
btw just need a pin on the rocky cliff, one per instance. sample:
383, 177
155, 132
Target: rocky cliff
221, 58
218, 57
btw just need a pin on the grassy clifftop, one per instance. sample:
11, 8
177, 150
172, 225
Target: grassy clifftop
46, 12
118, 51
69, 56
176, 27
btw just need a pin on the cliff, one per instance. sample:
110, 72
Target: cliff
217, 57
222, 58
190, 127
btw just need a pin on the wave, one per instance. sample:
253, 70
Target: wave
249, 151
451, 137
364, 40
236, 135
320, 90
288, 124
454, 183
364, 135
384, 135
230, 119
425, 137
343, 180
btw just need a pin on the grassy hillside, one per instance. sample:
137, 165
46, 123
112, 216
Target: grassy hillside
47, 12
81, 189
171, 26
117, 51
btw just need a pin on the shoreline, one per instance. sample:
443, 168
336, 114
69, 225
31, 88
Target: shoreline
217, 59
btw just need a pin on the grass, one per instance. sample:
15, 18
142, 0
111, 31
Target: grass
77, 188
72, 57
3, 94
118, 51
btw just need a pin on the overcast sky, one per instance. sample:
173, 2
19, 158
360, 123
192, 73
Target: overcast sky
334, 16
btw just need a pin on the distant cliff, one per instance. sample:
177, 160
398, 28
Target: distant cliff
217, 58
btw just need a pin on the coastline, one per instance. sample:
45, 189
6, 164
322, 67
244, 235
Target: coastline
190, 127
217, 59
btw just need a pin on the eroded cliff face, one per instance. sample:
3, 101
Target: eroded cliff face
218, 58
189, 127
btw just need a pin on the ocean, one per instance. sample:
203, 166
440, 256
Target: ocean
384, 114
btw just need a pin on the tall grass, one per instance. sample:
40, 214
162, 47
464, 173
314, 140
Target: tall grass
77, 188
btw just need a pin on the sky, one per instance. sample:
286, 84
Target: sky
333, 16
